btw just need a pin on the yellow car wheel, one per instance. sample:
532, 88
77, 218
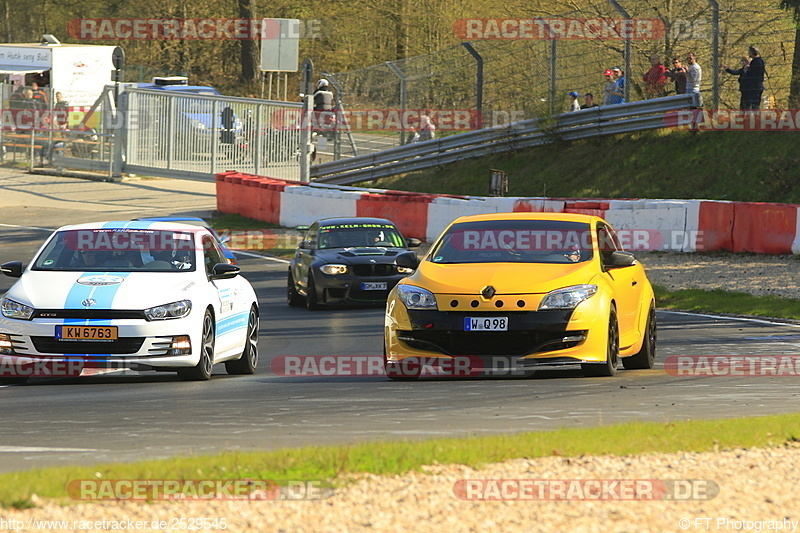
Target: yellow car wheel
609, 367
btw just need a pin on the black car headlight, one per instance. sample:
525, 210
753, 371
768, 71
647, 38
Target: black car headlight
404, 270
414, 297
333, 269
14, 309
167, 311
568, 297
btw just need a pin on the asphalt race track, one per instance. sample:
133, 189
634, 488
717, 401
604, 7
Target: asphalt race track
131, 416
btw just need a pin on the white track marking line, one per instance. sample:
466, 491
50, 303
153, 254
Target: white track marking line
250, 254
743, 319
26, 227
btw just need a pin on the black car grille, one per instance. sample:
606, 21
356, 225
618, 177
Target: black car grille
88, 314
374, 270
119, 346
511, 343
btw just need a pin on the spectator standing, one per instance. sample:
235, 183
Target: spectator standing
574, 105
678, 74
694, 75
427, 131
655, 78
588, 101
751, 79
756, 74
742, 73
610, 88
39, 97
619, 92
60, 112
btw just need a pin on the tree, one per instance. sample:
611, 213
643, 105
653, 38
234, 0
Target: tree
250, 55
794, 83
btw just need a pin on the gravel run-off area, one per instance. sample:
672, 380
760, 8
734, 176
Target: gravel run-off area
727, 490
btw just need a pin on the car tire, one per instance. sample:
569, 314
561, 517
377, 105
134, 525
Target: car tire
292, 296
400, 371
609, 367
247, 363
202, 370
646, 357
311, 294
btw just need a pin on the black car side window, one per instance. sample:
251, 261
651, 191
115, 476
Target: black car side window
607, 243
311, 237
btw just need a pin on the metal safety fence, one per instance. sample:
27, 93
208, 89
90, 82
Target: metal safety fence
502, 73
183, 134
623, 118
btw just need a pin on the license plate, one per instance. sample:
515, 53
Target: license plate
494, 323
86, 333
374, 286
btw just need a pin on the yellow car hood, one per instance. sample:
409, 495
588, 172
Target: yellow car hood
506, 278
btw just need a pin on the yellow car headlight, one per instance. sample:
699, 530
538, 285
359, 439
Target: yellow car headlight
416, 297
568, 297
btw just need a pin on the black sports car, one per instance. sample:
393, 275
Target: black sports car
347, 261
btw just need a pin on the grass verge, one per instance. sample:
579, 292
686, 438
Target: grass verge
729, 302
333, 463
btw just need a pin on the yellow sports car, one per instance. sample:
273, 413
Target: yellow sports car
513, 291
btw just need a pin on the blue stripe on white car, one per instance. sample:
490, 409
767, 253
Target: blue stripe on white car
232, 323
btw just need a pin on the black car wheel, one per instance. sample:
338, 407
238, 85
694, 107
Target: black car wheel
292, 296
311, 294
246, 364
609, 367
202, 371
646, 357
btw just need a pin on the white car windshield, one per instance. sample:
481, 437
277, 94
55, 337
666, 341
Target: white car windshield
118, 250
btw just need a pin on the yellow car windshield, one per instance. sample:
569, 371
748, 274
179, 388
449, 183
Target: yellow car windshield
515, 241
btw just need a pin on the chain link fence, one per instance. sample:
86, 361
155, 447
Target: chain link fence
503, 78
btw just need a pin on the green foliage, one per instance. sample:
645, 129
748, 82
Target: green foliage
744, 166
728, 302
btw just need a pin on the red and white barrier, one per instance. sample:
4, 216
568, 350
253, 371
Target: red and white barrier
676, 225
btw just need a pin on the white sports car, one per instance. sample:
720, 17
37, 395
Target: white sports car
138, 295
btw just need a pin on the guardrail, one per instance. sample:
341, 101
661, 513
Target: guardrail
604, 120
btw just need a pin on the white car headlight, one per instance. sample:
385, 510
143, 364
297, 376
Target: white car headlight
13, 309
334, 269
568, 297
168, 311
416, 297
